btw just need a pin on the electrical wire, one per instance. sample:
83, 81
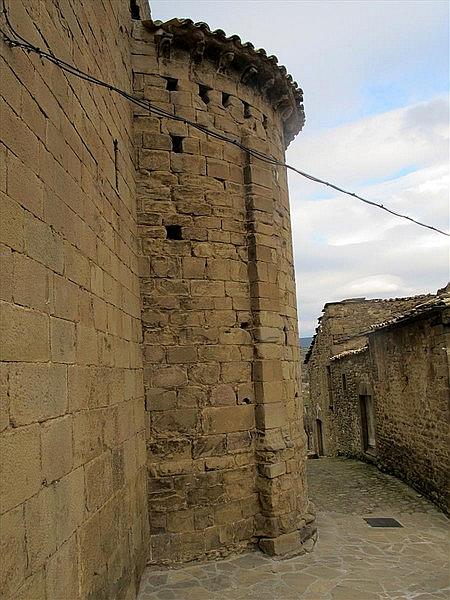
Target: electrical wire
21, 42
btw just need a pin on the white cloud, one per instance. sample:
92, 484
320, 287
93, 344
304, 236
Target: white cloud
344, 248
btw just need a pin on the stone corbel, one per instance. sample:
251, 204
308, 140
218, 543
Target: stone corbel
199, 47
163, 43
267, 85
284, 106
248, 73
225, 60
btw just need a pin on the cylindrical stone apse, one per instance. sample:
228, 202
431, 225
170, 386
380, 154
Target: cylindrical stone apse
225, 439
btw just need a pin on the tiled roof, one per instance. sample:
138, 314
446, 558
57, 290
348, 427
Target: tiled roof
436, 303
255, 66
348, 353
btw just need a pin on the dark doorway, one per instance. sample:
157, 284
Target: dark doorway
367, 423
319, 437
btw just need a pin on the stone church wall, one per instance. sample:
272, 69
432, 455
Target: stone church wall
150, 404
225, 441
73, 507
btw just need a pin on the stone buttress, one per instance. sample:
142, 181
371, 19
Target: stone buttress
225, 439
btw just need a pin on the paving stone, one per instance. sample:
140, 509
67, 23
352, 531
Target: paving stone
351, 560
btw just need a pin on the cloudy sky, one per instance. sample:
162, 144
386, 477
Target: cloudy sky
375, 81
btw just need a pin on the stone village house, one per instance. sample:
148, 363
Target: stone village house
150, 364
379, 387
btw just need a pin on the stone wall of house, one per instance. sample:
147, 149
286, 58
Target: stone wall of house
343, 326
348, 376
225, 441
411, 390
73, 504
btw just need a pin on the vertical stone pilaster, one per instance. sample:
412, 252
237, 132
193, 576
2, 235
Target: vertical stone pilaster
283, 524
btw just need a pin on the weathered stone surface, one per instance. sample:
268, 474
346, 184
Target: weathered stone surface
379, 382
70, 323
218, 316
289, 543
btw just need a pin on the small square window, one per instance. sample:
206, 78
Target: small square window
177, 144
171, 84
174, 232
203, 92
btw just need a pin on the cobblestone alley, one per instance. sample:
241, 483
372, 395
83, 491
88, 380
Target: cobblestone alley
352, 560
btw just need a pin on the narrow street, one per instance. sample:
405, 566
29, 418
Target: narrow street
351, 561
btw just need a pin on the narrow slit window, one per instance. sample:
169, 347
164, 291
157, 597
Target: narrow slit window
173, 232
177, 144
225, 99
116, 163
134, 9
344, 382
203, 93
171, 84
265, 122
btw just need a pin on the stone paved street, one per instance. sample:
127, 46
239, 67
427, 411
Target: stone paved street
351, 561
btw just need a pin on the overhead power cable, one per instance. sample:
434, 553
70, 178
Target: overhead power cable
19, 42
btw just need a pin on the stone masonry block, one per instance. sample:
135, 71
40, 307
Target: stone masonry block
62, 340
98, 481
168, 377
154, 160
209, 445
175, 421
208, 288
20, 465
87, 435
223, 395
157, 141
14, 557
33, 587
62, 572
12, 219
17, 326
40, 523
43, 244
31, 283
193, 268
180, 521
228, 419
37, 392
288, 543
182, 354
268, 392
270, 416
57, 450
69, 504
271, 471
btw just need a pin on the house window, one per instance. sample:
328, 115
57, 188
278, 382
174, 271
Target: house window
367, 423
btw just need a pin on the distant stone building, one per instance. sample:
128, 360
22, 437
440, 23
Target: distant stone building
390, 397
342, 327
